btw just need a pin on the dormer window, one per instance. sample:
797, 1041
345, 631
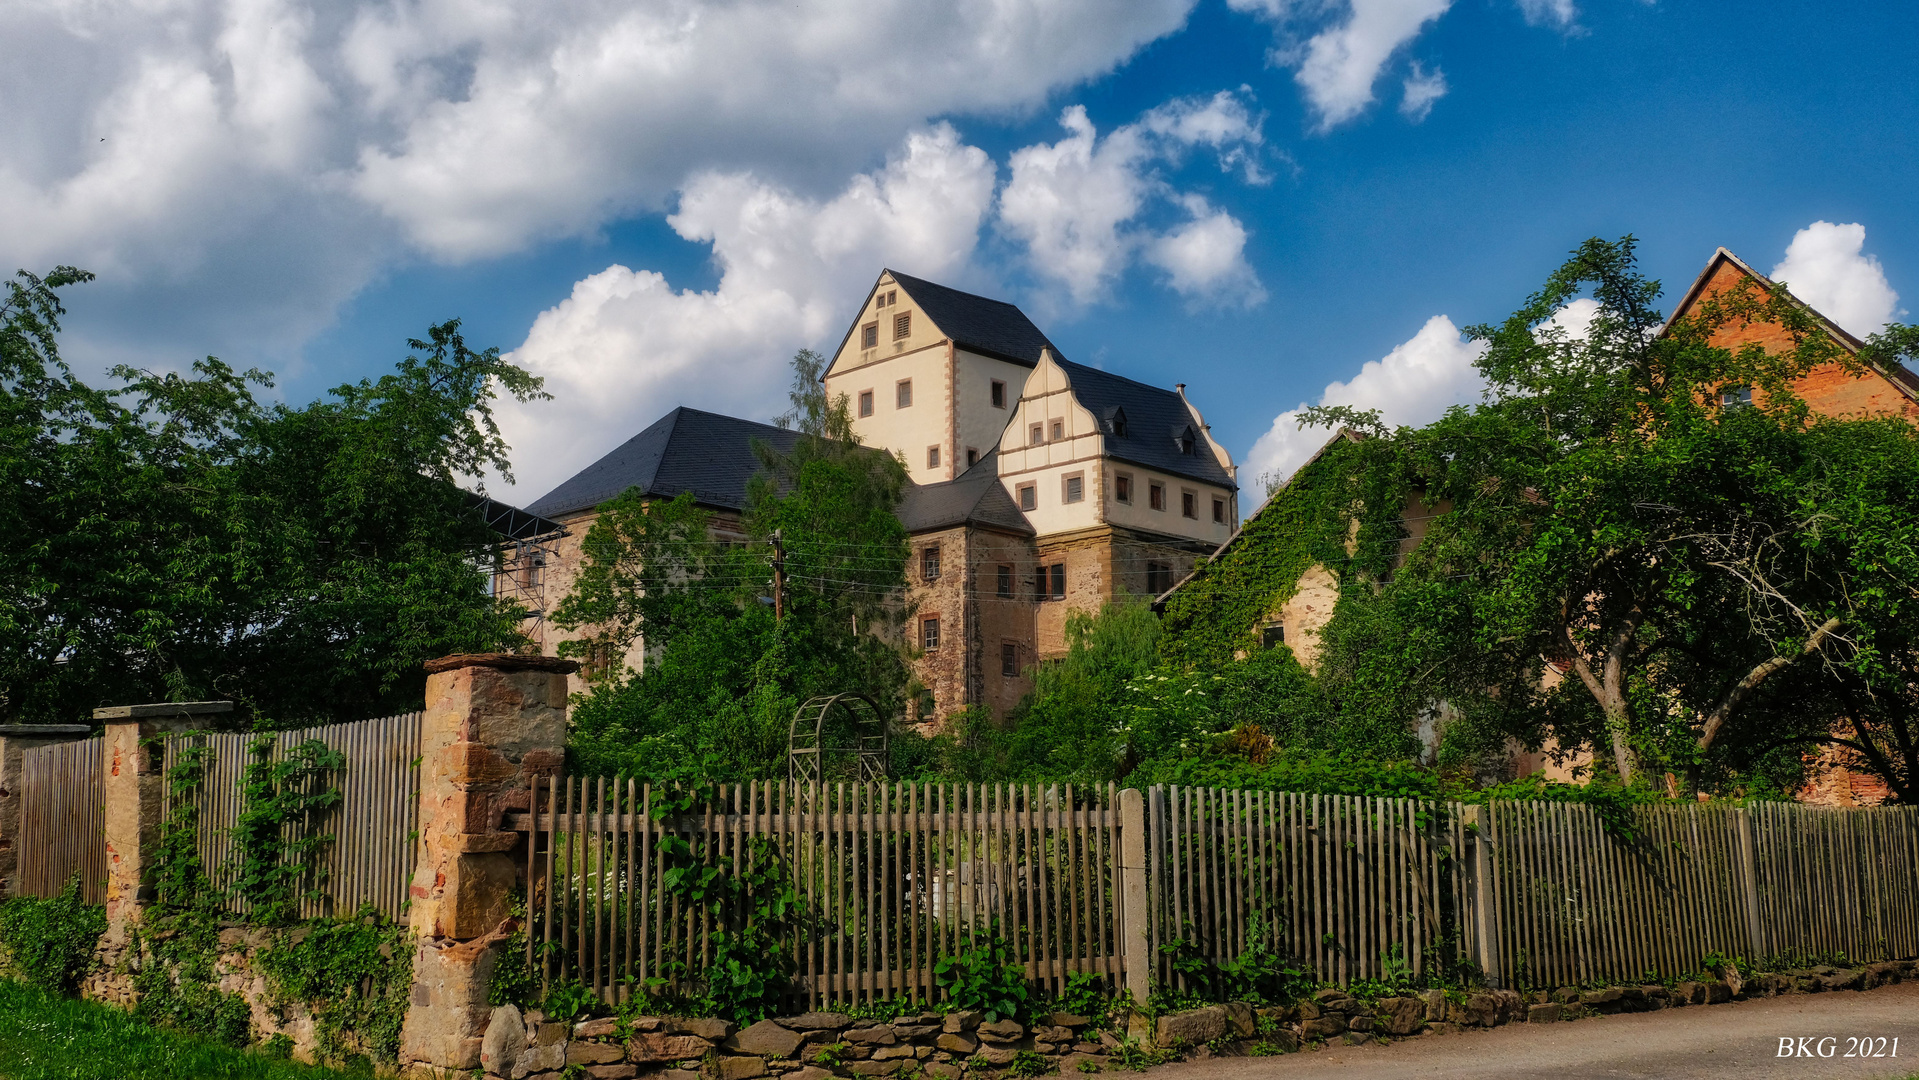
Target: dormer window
1113, 422
1186, 441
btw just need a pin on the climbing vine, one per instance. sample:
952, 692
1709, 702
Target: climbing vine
354, 975
275, 847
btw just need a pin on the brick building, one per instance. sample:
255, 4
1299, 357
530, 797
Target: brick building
1038, 486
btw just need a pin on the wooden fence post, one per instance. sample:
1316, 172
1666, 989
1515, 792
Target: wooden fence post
1136, 943
1749, 875
1485, 898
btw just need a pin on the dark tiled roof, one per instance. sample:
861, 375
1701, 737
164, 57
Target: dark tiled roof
1154, 420
686, 450
975, 497
993, 327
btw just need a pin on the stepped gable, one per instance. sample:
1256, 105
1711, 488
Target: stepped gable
687, 450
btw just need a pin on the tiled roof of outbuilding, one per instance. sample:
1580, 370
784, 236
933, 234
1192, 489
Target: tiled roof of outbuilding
1154, 420
686, 450
975, 497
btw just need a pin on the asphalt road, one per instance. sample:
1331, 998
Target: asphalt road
1736, 1041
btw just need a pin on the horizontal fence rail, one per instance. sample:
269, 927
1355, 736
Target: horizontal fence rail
62, 824
371, 856
892, 877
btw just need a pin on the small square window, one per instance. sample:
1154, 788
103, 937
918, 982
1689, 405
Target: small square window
930, 633
1004, 581
1189, 505
1059, 430
999, 394
972, 456
870, 335
1219, 511
892, 297
1029, 496
866, 402
879, 301
1056, 581
1075, 489
1008, 660
1123, 488
902, 325
932, 457
903, 394
1037, 435
930, 563
1272, 635
1156, 496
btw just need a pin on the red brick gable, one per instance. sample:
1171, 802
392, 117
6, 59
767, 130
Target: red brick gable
1829, 390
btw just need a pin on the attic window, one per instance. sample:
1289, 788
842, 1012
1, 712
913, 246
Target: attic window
1735, 397
870, 335
886, 299
1037, 435
902, 325
1119, 424
1059, 430
1186, 441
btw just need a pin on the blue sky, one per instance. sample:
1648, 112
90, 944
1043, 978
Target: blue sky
1258, 199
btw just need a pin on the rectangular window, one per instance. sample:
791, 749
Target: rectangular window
1156, 496
892, 297
870, 336
1272, 635
902, 325
1008, 660
932, 457
1004, 581
1037, 435
999, 394
1029, 496
972, 456
1075, 489
1059, 430
1219, 511
1056, 581
903, 394
1189, 505
1735, 397
1123, 488
930, 633
866, 402
1159, 578
930, 563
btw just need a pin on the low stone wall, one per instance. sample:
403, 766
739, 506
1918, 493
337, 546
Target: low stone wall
821, 1045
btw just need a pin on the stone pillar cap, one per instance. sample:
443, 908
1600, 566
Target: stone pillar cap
162, 708
504, 662
44, 731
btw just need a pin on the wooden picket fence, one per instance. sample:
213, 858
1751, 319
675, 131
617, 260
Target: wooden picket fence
62, 823
891, 877
374, 828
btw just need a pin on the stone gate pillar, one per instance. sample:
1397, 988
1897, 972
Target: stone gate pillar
15, 741
493, 721
134, 794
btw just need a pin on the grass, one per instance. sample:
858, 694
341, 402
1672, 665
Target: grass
43, 1037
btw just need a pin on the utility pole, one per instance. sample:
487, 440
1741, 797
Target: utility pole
779, 578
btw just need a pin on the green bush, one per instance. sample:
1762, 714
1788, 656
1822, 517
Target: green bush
984, 977
49, 942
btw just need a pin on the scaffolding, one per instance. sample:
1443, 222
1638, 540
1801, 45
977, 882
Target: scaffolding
529, 544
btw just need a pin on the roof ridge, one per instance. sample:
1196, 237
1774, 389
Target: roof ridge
1114, 375
902, 278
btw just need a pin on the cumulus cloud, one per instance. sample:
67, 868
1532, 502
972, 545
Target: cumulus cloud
626, 346
1338, 62
1825, 265
1075, 205
1422, 89
1559, 14
264, 159
1413, 384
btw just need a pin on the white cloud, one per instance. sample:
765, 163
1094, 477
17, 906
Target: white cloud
1412, 385
1423, 88
1343, 62
1074, 204
1825, 266
1559, 14
1205, 259
243, 166
626, 346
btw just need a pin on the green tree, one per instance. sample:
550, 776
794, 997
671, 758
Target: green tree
177, 539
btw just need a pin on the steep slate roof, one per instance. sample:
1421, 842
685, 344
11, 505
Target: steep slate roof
1902, 379
1154, 418
978, 324
975, 497
686, 450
